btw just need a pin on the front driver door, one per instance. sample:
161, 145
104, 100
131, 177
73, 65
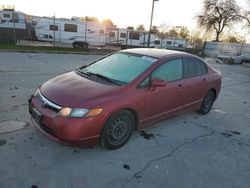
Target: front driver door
161, 102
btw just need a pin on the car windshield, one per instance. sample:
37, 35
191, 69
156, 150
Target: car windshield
120, 67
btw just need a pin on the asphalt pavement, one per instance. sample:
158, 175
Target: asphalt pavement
186, 151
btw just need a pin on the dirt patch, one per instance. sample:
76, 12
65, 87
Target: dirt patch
146, 135
12, 125
2, 142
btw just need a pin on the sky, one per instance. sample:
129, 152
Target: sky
123, 13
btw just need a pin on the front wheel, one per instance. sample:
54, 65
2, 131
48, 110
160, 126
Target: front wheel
117, 130
207, 103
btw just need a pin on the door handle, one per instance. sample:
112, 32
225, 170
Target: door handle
179, 86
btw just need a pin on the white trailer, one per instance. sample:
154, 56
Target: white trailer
116, 36
171, 43
127, 38
78, 33
14, 26
9, 17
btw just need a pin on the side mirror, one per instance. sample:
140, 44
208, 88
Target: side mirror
155, 82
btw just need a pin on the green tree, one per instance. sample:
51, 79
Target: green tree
217, 15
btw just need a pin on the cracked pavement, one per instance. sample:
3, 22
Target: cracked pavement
186, 151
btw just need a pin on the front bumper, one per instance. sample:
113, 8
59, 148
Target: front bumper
66, 130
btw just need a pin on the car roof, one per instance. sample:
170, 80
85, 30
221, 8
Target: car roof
156, 53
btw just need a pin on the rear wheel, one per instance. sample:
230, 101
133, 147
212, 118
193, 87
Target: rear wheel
207, 103
76, 45
79, 44
117, 130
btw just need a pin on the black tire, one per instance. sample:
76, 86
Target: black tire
207, 103
117, 130
76, 45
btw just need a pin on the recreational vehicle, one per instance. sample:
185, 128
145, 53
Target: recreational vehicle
127, 38
171, 43
78, 33
116, 36
13, 26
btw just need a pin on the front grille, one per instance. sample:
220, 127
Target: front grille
47, 129
49, 104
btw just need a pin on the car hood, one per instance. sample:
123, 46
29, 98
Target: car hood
73, 90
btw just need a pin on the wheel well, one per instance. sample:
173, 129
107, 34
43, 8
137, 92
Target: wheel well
214, 91
80, 43
135, 116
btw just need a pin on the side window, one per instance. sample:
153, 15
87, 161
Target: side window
202, 67
157, 42
123, 35
70, 27
112, 34
134, 35
53, 27
169, 71
169, 42
194, 67
6, 15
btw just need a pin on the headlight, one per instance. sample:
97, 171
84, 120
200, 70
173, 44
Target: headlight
36, 92
79, 112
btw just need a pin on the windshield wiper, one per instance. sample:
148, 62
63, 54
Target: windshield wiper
99, 76
84, 72
105, 78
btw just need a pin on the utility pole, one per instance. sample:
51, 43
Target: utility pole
15, 19
86, 25
152, 12
54, 30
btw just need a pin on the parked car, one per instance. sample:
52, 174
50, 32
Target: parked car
121, 92
235, 58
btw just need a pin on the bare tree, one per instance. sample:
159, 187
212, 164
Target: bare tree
154, 29
172, 33
232, 39
244, 14
163, 30
218, 14
195, 40
140, 27
109, 23
184, 33
89, 19
130, 27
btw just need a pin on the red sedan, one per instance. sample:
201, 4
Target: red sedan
125, 91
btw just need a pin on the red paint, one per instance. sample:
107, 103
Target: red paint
149, 104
